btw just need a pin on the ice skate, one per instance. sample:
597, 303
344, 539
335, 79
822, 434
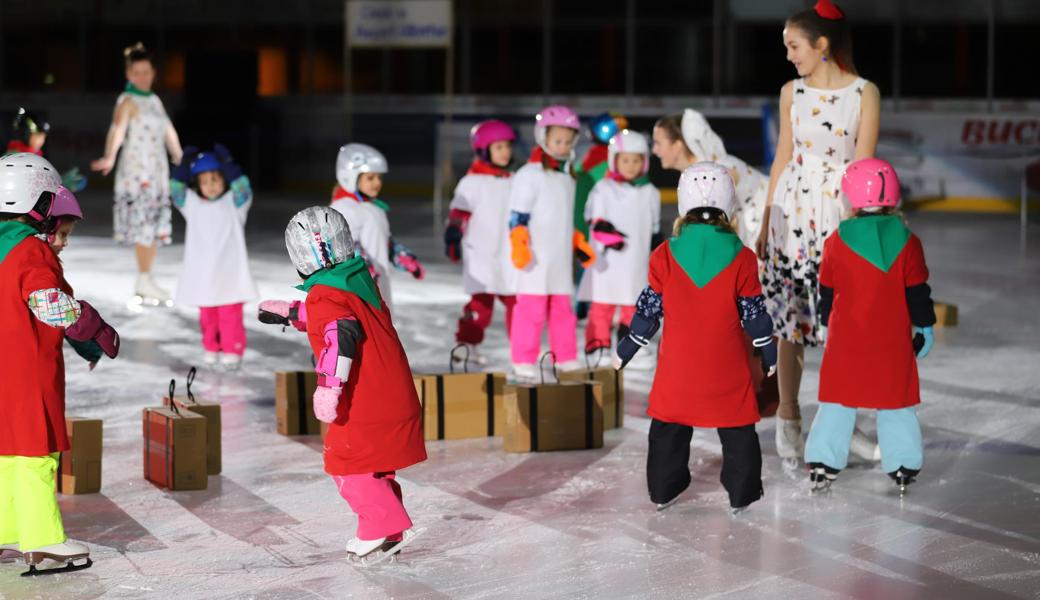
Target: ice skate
471, 355
903, 478
372, 552
736, 511
210, 359
148, 293
789, 443
71, 556
570, 365
9, 553
666, 505
821, 477
863, 447
231, 362
524, 373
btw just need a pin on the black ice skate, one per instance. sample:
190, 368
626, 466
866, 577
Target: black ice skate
821, 476
73, 557
904, 477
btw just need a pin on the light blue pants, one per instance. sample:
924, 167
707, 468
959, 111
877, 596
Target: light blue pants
899, 436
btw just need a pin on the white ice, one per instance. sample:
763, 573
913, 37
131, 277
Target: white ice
567, 524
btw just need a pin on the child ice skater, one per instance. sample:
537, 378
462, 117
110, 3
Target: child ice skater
624, 214
359, 174
544, 245
214, 196
477, 233
365, 390
704, 283
29, 134
877, 307
39, 310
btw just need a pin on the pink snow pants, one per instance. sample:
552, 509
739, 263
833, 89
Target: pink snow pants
476, 316
377, 501
601, 322
529, 318
222, 329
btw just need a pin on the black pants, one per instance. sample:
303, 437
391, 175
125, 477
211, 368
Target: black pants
668, 470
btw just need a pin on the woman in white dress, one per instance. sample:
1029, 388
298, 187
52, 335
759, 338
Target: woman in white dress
142, 195
828, 118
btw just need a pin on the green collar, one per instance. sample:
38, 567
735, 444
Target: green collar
350, 276
130, 89
703, 251
11, 234
878, 239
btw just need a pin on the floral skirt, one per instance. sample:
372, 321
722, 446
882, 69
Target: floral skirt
142, 216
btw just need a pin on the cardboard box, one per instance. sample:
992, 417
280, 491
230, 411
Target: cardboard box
174, 448
293, 402
613, 392
213, 423
79, 468
553, 416
945, 314
462, 405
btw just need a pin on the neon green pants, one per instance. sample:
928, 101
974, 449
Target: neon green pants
29, 513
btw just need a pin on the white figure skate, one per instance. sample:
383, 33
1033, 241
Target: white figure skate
72, 556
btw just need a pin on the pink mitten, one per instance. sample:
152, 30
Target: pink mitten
609, 239
326, 401
412, 265
282, 312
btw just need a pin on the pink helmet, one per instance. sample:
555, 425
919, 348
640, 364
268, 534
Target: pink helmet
870, 182
485, 133
554, 116
65, 204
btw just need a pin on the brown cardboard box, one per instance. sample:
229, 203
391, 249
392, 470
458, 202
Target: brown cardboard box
613, 392
79, 468
174, 447
945, 314
553, 416
293, 401
213, 424
462, 405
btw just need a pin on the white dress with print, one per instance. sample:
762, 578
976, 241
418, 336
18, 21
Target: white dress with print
142, 193
808, 204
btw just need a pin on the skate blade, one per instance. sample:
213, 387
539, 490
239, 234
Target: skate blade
138, 303
667, 505
390, 553
70, 565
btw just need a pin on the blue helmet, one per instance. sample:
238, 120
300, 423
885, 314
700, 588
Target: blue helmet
205, 161
606, 125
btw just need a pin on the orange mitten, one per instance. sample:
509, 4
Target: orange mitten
520, 239
583, 251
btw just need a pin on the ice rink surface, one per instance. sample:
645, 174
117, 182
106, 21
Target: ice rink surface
565, 524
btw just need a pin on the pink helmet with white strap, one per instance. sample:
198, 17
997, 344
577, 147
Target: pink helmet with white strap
557, 115
871, 182
65, 204
485, 133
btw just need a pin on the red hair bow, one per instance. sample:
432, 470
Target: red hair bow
828, 10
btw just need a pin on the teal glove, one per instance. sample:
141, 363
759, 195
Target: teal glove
923, 340
73, 180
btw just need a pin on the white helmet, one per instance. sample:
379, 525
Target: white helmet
707, 184
355, 159
318, 237
700, 138
28, 184
627, 140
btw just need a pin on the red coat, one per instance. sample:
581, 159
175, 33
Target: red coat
32, 402
868, 361
378, 427
703, 377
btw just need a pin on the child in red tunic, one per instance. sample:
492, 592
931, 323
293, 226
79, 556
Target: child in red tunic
365, 390
704, 282
39, 311
877, 306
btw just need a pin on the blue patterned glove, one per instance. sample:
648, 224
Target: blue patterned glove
229, 168
182, 172
923, 341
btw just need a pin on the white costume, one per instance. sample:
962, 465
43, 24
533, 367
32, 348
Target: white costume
486, 264
548, 196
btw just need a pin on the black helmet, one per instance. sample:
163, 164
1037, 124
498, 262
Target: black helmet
26, 123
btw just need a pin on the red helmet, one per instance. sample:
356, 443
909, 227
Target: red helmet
870, 182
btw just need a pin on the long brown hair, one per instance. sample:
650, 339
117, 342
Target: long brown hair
837, 31
671, 125
704, 215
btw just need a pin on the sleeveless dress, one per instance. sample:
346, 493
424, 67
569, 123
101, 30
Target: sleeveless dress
808, 205
142, 193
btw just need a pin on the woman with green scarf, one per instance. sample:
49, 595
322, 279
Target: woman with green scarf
142, 129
